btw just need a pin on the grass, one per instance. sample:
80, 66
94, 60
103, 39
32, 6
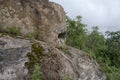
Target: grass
13, 30
32, 35
36, 73
64, 49
34, 65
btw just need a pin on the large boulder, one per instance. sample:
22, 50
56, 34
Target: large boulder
58, 61
13, 57
55, 64
46, 19
68, 64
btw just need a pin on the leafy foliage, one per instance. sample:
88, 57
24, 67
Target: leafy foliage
96, 42
13, 30
36, 73
105, 50
34, 61
76, 33
113, 45
32, 35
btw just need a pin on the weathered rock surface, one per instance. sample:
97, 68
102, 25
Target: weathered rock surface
48, 20
56, 64
13, 57
69, 64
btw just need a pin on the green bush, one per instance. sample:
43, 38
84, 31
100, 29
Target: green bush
104, 48
13, 30
32, 35
64, 49
36, 73
113, 76
34, 65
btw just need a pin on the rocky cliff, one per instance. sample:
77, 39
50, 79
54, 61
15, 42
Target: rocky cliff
46, 22
45, 18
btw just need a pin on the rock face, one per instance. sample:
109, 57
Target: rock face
13, 57
69, 64
46, 18
58, 61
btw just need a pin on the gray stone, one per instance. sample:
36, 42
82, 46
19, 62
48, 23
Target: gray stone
59, 62
13, 58
45, 18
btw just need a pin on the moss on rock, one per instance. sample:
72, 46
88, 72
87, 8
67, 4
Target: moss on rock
34, 58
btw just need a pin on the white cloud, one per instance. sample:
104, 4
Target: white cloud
102, 13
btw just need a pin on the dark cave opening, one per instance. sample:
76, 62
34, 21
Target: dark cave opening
62, 35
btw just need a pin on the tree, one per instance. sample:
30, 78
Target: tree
106, 51
113, 47
96, 42
76, 33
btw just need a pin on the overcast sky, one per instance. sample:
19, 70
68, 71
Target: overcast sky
102, 13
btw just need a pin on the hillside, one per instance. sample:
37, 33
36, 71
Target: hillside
32, 44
